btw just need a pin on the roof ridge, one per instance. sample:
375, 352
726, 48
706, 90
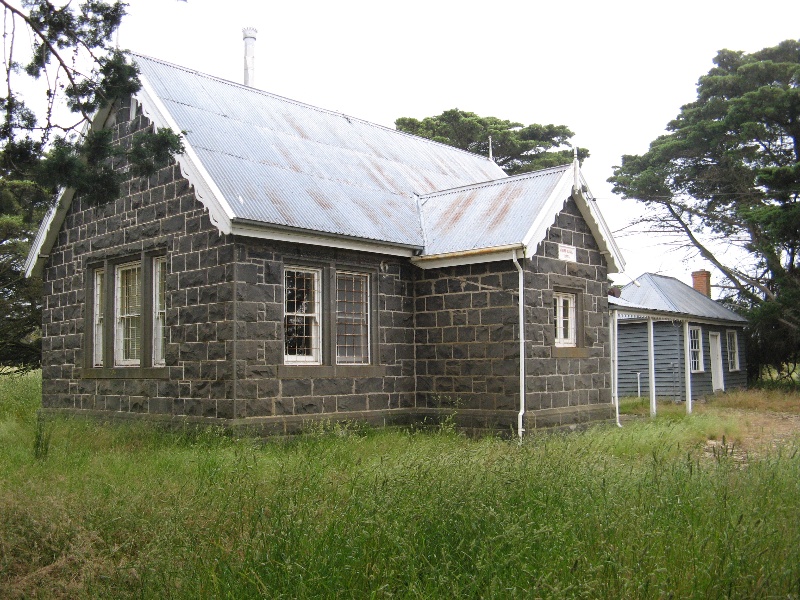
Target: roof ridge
663, 293
653, 281
304, 104
491, 182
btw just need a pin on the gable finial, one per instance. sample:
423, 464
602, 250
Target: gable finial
576, 169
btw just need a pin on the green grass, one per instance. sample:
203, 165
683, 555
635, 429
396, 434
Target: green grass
637, 512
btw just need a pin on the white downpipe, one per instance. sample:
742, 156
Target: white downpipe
615, 365
520, 428
651, 366
687, 366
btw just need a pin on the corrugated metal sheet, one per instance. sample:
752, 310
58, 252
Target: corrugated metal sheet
487, 215
282, 162
668, 294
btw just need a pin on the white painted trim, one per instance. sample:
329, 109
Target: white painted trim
538, 230
265, 232
521, 303
735, 333
640, 316
716, 359
316, 329
700, 355
119, 331
571, 340
470, 257
615, 365
651, 366
600, 230
51, 224
563, 190
159, 358
47, 234
98, 317
687, 366
206, 191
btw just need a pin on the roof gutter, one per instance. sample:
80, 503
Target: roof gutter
643, 313
283, 233
468, 257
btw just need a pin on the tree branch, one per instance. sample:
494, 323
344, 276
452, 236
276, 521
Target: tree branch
46, 42
734, 276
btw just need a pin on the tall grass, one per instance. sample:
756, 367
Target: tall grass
631, 513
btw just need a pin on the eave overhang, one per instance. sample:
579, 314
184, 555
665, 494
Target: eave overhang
258, 229
467, 257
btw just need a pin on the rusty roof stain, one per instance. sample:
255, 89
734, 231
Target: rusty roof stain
280, 162
484, 215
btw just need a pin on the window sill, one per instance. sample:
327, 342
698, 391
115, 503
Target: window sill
570, 352
329, 371
125, 373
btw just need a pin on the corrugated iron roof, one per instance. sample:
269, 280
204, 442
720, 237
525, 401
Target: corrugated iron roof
667, 294
281, 162
490, 214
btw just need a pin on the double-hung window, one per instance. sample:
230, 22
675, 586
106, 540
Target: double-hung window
352, 318
564, 318
159, 310
128, 306
733, 350
301, 320
327, 317
696, 349
128, 309
98, 310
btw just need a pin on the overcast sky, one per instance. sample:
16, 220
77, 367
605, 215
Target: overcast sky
614, 72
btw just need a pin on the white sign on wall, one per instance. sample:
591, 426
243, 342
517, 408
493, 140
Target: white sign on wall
567, 253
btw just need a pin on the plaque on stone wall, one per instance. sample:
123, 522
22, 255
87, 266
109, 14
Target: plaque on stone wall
567, 253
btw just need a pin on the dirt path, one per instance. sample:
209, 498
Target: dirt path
762, 432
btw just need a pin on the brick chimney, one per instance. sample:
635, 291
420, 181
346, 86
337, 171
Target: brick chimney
249, 36
701, 281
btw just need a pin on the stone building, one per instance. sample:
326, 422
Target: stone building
297, 264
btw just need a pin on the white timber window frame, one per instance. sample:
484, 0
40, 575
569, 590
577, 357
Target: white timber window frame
352, 318
564, 319
128, 314
696, 349
98, 308
732, 338
159, 311
302, 316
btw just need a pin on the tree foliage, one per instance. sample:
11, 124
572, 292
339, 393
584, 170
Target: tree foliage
727, 174
66, 55
516, 148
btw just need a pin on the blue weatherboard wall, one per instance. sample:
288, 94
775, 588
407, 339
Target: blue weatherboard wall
669, 359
